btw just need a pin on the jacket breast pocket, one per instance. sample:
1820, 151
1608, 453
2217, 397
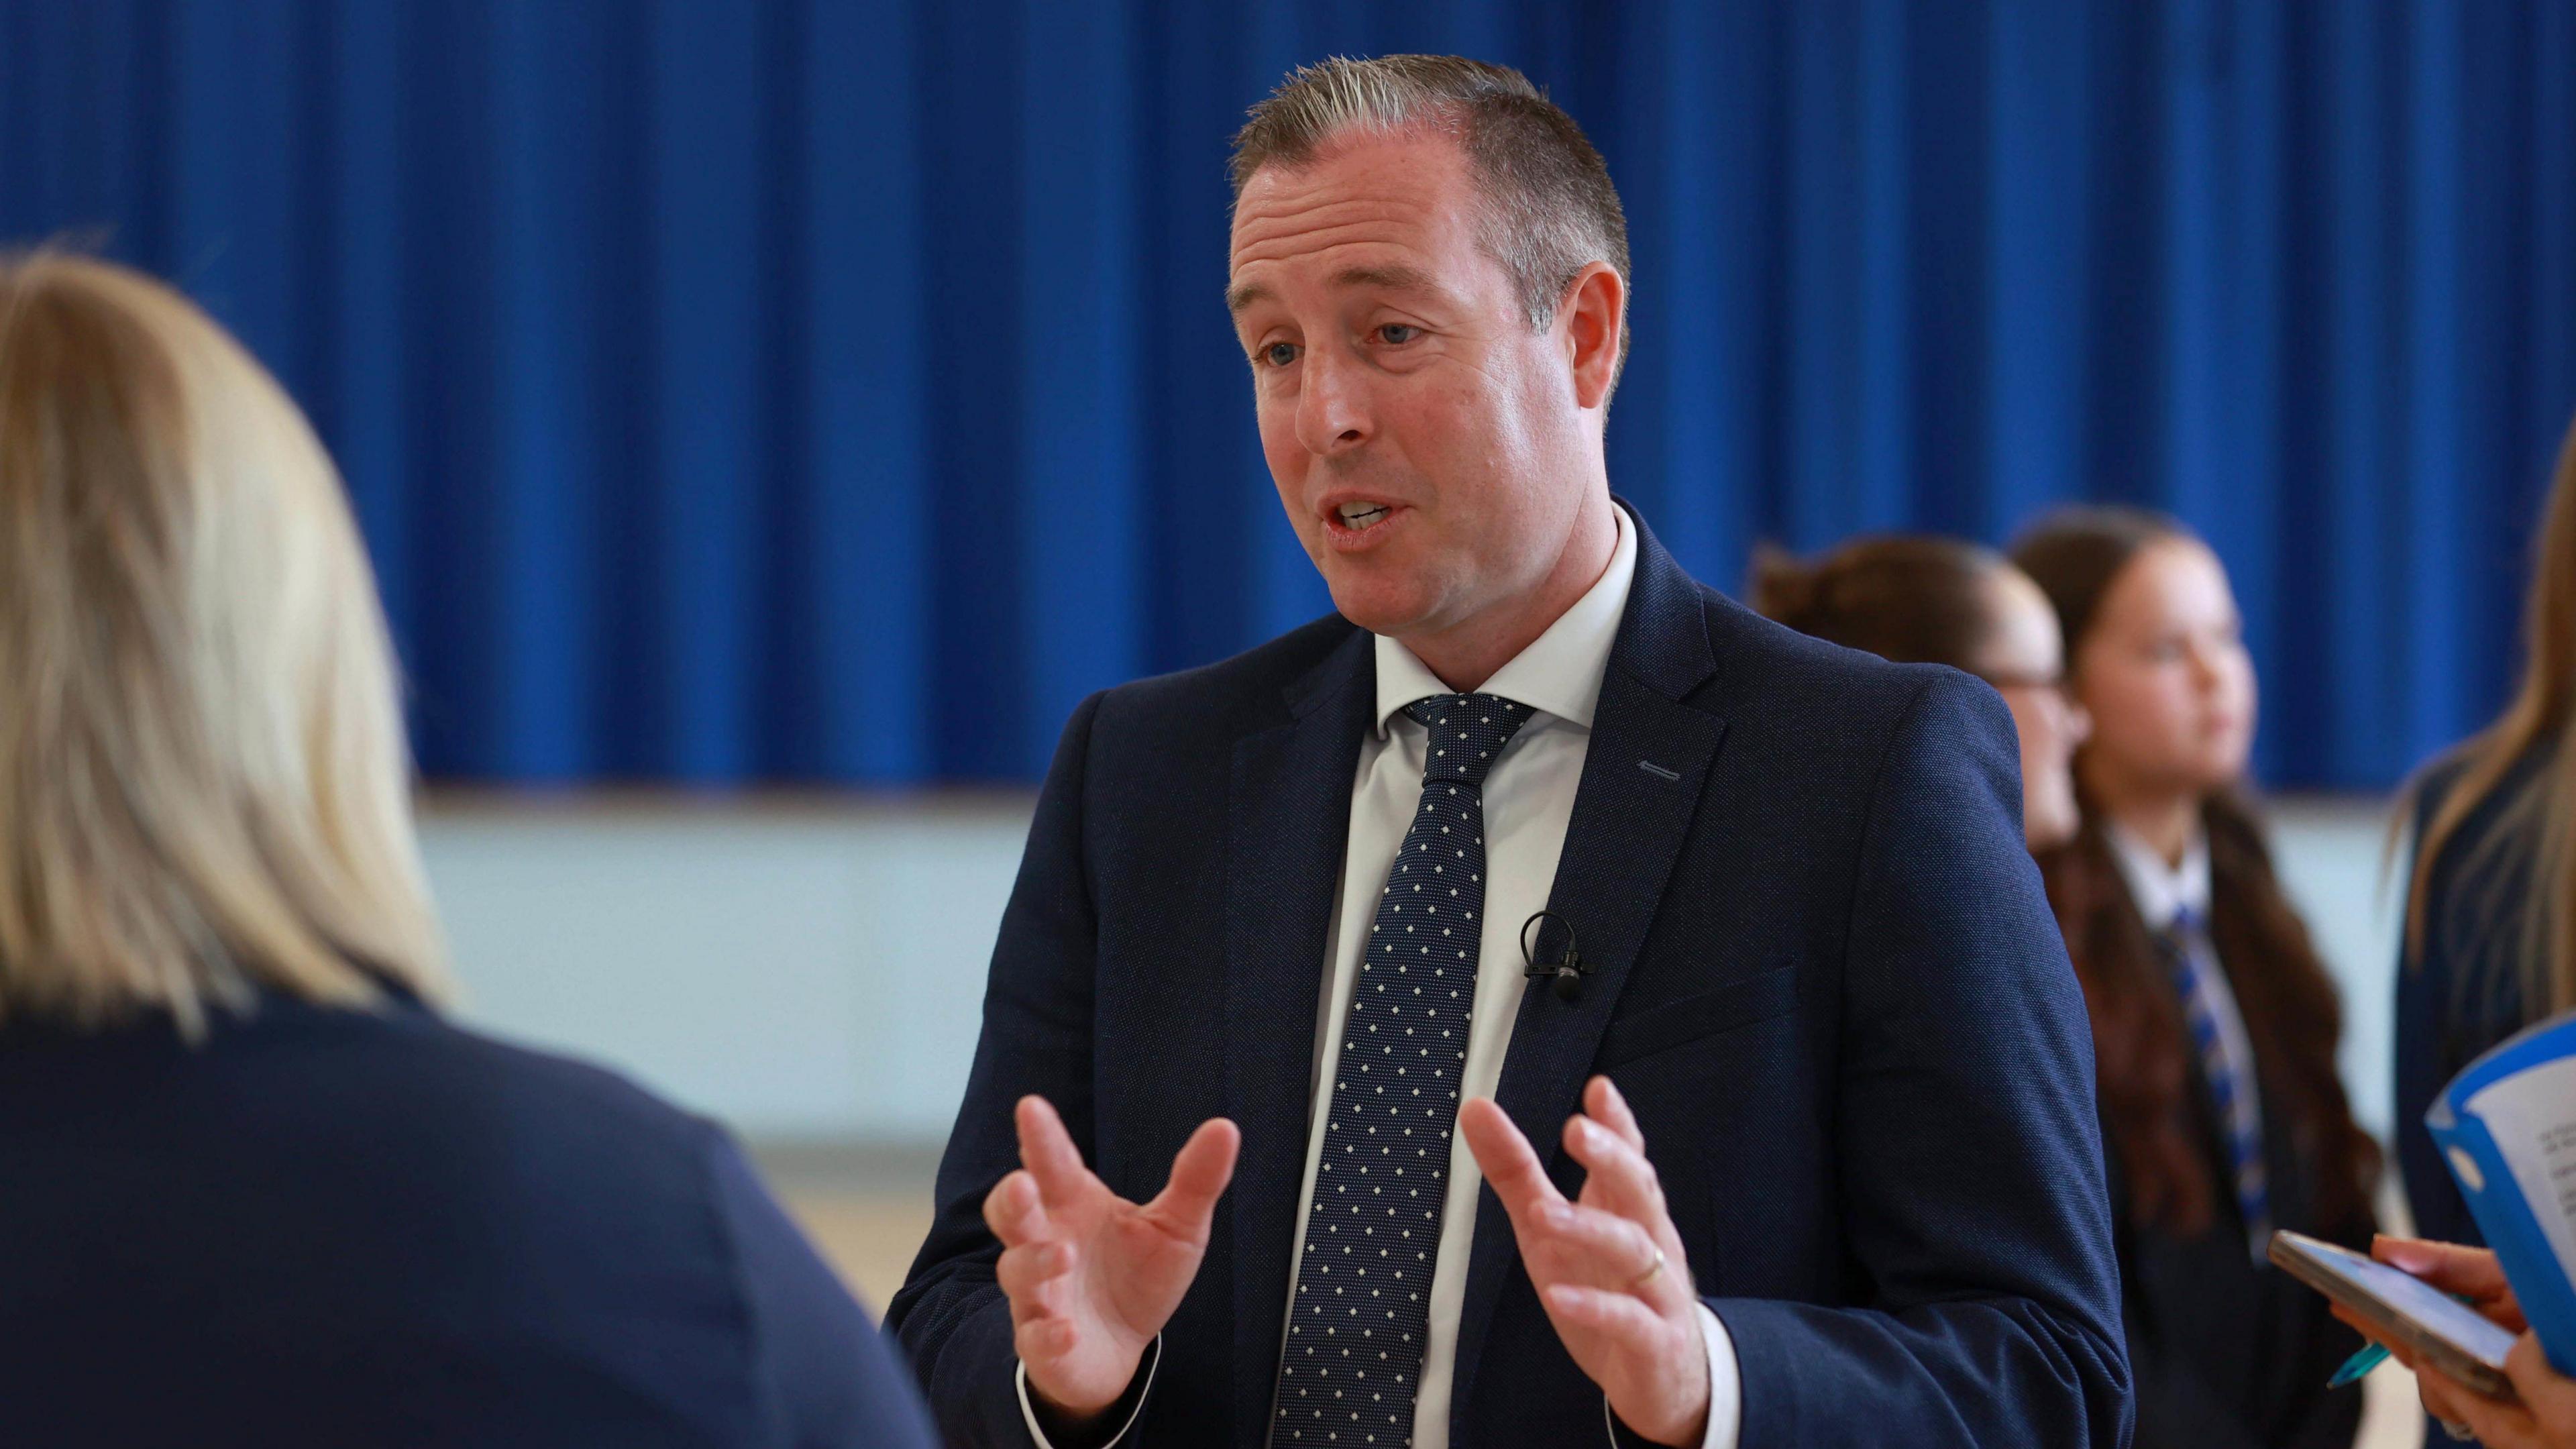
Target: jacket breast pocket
1695, 1018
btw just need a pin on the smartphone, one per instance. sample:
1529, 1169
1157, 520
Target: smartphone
2447, 1333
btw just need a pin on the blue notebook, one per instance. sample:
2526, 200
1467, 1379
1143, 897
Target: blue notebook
2507, 1127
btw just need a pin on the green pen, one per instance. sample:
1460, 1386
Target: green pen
2370, 1357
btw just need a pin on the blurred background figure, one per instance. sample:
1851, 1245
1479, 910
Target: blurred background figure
2490, 944
2214, 1022
259, 1192
1918, 599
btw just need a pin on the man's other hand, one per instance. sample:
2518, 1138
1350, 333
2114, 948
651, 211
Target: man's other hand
1091, 1276
1608, 1267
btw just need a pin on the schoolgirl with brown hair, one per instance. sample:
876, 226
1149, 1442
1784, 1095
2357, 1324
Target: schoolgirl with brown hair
2215, 1023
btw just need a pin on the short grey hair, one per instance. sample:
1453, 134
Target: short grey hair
1550, 208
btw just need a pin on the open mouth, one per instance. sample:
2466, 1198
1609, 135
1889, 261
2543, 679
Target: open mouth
1358, 525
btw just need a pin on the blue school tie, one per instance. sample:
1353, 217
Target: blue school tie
1361, 1305
2194, 962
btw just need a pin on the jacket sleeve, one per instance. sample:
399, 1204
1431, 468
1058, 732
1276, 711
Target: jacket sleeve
950, 1315
1975, 1208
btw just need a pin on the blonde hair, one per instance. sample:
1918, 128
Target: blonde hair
204, 786
2541, 818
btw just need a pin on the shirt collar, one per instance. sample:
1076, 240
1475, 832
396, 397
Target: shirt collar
2162, 891
1559, 673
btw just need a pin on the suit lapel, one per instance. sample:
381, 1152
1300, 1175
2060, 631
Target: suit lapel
1288, 824
1640, 789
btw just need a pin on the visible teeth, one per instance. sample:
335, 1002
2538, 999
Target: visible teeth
1361, 515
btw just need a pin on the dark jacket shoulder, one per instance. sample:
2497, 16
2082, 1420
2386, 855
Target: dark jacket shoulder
1254, 690
333, 1225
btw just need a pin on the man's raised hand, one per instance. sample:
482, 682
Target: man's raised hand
1091, 1276
1608, 1267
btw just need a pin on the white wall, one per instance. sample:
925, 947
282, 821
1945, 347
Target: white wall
2329, 852
815, 969
800, 970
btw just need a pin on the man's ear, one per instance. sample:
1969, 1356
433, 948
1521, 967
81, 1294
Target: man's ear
1594, 316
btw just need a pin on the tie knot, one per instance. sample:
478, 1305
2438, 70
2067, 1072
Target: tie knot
1467, 732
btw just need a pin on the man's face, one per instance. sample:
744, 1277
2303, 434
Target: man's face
1426, 441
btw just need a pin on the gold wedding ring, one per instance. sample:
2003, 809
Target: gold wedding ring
1642, 1279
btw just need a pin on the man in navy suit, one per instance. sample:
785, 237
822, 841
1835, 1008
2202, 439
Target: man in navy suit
1269, 1140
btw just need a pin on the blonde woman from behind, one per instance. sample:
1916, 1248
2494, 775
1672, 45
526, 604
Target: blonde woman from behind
258, 1190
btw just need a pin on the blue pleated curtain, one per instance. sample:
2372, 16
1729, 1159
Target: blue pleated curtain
817, 392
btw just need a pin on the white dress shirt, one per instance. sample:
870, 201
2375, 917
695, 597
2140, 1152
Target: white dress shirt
2162, 892
1528, 798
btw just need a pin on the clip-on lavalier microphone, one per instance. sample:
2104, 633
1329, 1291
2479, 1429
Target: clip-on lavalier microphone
1568, 974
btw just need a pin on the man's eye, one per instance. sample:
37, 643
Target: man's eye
1279, 354
1399, 333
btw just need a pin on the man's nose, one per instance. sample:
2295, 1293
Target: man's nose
1332, 404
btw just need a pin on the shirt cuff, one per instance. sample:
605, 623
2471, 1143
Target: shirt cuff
1725, 1388
1725, 1383
1145, 1386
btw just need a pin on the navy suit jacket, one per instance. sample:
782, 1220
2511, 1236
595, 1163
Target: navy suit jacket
334, 1227
1828, 983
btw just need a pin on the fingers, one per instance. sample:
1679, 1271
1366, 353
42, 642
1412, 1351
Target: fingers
1599, 1248
1601, 1099
1047, 1150
1043, 1339
2471, 1272
1029, 1267
2500, 1423
1033, 1282
2441, 1397
1033, 1261
2496, 1424
1504, 1156
1200, 1172
1604, 1311
1621, 1226
1028, 1275
1612, 1239
1013, 1210
1654, 1370
2549, 1395
1622, 1180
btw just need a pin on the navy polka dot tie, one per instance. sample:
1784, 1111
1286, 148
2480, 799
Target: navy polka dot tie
1362, 1298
